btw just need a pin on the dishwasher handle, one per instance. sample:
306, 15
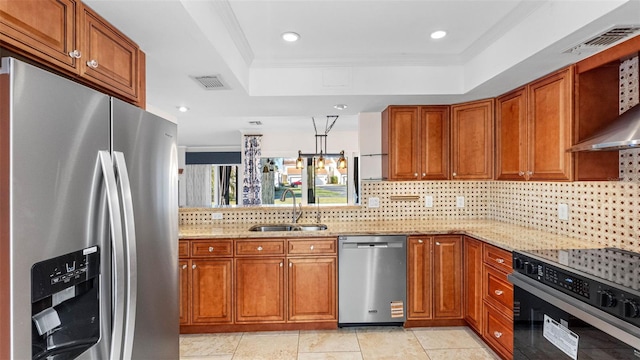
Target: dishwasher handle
368, 245
371, 245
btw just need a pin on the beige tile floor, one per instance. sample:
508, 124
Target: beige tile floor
365, 343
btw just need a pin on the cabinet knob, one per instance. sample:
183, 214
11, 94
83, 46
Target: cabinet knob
210, 248
454, 174
438, 243
184, 267
500, 260
420, 241
92, 64
259, 248
499, 292
193, 266
415, 174
290, 264
281, 264
521, 173
75, 54
311, 247
497, 334
424, 174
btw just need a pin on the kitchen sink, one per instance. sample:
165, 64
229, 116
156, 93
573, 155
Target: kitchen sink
288, 227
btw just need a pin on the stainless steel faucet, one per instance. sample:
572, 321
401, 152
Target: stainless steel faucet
284, 195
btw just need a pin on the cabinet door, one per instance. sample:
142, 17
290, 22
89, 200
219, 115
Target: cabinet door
183, 266
211, 291
511, 136
434, 142
312, 289
473, 283
110, 59
403, 142
419, 278
46, 29
550, 120
447, 271
260, 290
472, 140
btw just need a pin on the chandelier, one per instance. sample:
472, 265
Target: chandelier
321, 145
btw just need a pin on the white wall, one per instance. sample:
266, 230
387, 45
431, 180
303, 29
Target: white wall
370, 130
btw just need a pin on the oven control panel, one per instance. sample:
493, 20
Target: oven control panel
618, 302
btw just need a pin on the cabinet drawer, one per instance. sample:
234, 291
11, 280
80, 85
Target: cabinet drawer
498, 290
259, 247
183, 248
498, 258
207, 248
325, 246
498, 330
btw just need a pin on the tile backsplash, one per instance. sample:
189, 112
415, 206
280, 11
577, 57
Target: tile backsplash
606, 212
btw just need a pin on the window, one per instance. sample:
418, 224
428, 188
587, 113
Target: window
210, 185
326, 186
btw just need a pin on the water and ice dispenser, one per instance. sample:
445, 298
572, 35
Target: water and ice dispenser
65, 306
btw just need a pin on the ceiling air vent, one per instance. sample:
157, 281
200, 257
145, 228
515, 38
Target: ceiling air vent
255, 122
210, 82
606, 39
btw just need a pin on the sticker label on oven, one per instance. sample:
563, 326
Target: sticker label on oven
563, 338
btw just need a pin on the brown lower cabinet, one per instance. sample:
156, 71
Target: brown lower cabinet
267, 283
260, 290
497, 300
211, 291
434, 278
312, 289
473, 283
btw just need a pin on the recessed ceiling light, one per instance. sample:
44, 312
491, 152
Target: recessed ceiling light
290, 36
182, 108
438, 34
340, 106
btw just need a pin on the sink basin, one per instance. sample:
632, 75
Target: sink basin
288, 227
310, 227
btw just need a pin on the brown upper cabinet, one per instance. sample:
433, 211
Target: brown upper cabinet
533, 130
416, 139
46, 29
472, 140
71, 38
110, 58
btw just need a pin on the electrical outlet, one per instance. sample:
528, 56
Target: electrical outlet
217, 216
563, 211
428, 201
374, 202
460, 201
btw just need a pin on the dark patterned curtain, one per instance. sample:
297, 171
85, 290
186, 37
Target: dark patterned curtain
252, 182
225, 178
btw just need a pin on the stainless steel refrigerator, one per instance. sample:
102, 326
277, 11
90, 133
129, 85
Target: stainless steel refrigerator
88, 216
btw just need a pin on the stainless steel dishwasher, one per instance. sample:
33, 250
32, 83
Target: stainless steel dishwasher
372, 280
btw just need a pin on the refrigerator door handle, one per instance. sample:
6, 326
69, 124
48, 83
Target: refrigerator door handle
118, 275
122, 175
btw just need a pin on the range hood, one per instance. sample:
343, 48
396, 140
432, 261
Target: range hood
622, 133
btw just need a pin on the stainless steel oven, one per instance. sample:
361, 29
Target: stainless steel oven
576, 304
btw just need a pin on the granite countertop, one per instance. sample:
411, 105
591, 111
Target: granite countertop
507, 236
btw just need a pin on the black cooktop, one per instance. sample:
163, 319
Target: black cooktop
618, 266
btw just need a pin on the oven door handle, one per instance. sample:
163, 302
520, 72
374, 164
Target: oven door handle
587, 313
